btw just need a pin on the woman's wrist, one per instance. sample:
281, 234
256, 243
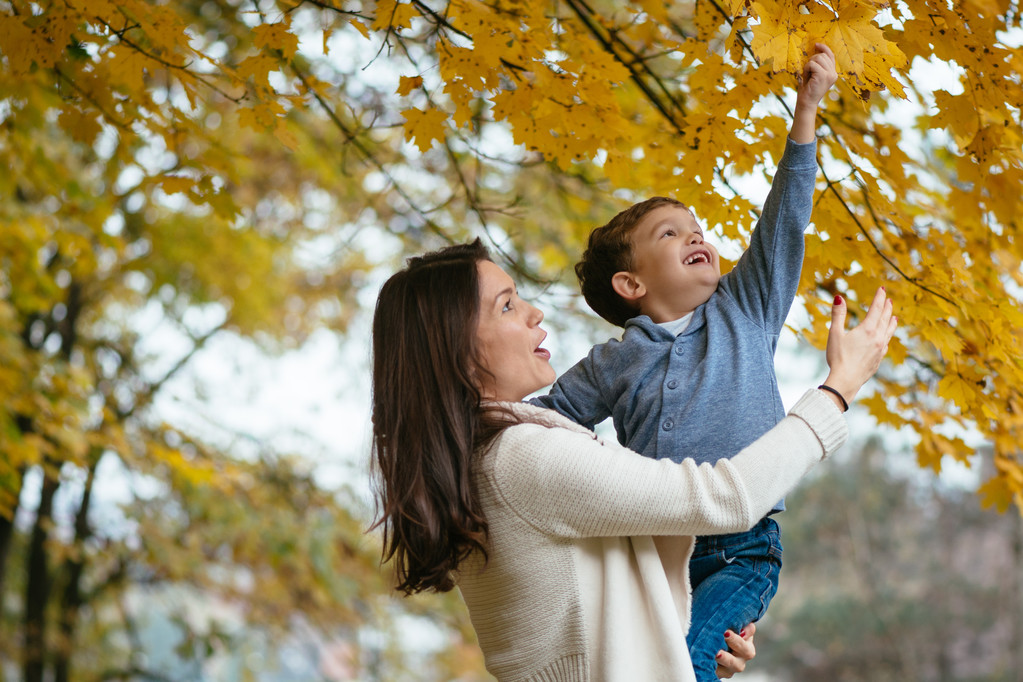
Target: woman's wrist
841, 391
836, 396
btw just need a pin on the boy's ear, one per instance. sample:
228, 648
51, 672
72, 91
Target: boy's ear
628, 287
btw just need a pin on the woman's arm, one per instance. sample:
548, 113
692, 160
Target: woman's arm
568, 483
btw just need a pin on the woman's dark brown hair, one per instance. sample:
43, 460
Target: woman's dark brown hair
427, 417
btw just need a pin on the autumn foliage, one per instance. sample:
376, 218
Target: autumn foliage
257, 158
920, 158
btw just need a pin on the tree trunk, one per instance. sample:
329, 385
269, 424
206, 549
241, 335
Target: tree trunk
38, 588
24, 425
1017, 601
7, 529
74, 567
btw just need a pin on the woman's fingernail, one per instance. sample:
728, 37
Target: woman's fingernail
838, 300
719, 654
742, 633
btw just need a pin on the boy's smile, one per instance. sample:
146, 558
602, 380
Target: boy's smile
674, 270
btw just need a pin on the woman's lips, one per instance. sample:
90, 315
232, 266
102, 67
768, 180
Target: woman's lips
543, 353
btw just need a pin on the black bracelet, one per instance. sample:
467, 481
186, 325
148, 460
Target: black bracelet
825, 387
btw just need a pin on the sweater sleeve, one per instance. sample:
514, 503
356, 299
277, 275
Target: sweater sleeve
765, 280
569, 484
577, 393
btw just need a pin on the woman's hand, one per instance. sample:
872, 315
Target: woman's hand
740, 650
853, 356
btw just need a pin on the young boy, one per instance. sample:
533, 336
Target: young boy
693, 375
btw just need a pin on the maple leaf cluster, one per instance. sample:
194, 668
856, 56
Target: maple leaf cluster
690, 96
919, 184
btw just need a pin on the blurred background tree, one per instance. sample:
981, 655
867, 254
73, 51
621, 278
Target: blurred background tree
889, 578
183, 173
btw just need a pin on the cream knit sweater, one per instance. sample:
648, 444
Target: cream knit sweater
589, 543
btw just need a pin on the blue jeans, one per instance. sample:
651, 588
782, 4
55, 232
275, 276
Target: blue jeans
733, 579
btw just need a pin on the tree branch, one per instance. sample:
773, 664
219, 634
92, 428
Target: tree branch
170, 65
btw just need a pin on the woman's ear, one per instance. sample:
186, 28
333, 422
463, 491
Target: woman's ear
628, 287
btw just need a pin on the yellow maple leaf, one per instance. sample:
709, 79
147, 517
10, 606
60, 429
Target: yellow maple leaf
928, 455
261, 116
327, 34
735, 7
996, 492
851, 35
407, 84
877, 69
953, 387
13, 32
944, 338
36, 38
707, 21
176, 184
258, 68
276, 37
424, 126
478, 67
658, 9
781, 36
247, 119
393, 15
879, 409
956, 448
127, 67
864, 58
83, 126
361, 28
1010, 467
54, 28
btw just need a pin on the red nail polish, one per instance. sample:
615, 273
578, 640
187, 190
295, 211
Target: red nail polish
838, 300
720, 654
742, 633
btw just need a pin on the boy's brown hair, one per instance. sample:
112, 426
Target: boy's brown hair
610, 251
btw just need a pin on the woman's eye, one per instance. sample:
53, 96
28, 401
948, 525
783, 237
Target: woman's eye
507, 307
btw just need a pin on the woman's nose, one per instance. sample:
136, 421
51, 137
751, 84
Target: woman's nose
536, 315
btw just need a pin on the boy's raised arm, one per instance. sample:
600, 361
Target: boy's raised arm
765, 279
819, 75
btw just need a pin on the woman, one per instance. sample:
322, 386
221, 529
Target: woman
571, 552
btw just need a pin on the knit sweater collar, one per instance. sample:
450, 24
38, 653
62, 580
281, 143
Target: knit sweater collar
531, 414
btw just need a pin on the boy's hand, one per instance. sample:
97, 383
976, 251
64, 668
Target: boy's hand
819, 75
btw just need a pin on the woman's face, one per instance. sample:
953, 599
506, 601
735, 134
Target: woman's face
509, 337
